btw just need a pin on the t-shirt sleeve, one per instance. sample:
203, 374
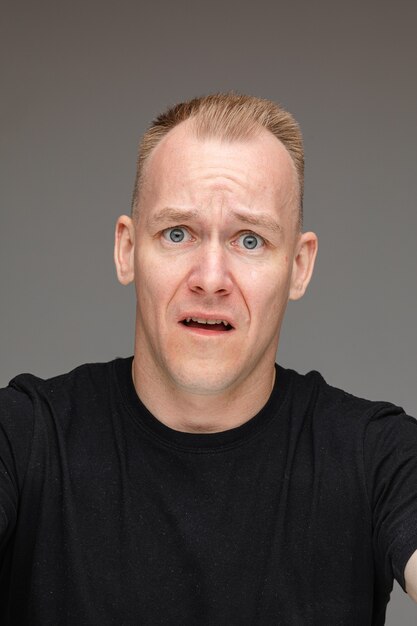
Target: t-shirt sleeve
390, 458
16, 427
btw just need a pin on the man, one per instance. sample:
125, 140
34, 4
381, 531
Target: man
199, 482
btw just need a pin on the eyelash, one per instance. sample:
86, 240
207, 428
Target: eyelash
166, 231
251, 234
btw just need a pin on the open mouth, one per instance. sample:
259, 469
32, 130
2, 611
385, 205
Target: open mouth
208, 325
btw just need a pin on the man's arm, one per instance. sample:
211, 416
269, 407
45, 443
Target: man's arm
410, 575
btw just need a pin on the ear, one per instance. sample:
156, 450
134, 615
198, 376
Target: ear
124, 247
303, 264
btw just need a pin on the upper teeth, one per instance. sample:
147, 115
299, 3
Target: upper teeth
200, 321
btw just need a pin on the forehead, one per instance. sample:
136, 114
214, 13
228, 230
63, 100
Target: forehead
257, 168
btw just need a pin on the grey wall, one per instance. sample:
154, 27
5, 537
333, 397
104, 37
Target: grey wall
80, 81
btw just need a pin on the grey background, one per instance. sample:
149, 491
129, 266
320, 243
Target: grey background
80, 82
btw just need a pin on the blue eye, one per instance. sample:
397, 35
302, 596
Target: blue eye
251, 241
176, 234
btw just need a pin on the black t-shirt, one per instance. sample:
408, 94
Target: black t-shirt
301, 516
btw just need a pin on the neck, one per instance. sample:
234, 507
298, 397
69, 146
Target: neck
190, 412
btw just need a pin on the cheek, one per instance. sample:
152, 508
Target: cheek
156, 279
273, 280
267, 292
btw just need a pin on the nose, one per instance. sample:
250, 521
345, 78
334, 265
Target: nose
210, 273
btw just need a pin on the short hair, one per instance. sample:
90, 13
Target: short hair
230, 116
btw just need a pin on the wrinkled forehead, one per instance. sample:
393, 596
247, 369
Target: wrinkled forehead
258, 166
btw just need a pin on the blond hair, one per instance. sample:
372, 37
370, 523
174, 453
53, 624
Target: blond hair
229, 116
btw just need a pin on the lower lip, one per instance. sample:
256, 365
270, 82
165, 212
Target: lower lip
209, 332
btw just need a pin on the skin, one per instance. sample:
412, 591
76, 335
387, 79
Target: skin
410, 575
204, 380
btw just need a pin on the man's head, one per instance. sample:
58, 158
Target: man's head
215, 251
230, 117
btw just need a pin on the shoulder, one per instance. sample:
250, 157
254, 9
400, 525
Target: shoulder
38, 415
35, 411
314, 389
28, 386
28, 396
337, 410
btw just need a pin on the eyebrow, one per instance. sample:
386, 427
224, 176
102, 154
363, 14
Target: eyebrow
172, 215
179, 216
261, 219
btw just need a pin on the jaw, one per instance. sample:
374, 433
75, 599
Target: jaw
202, 359
214, 362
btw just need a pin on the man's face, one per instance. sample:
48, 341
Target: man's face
215, 244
